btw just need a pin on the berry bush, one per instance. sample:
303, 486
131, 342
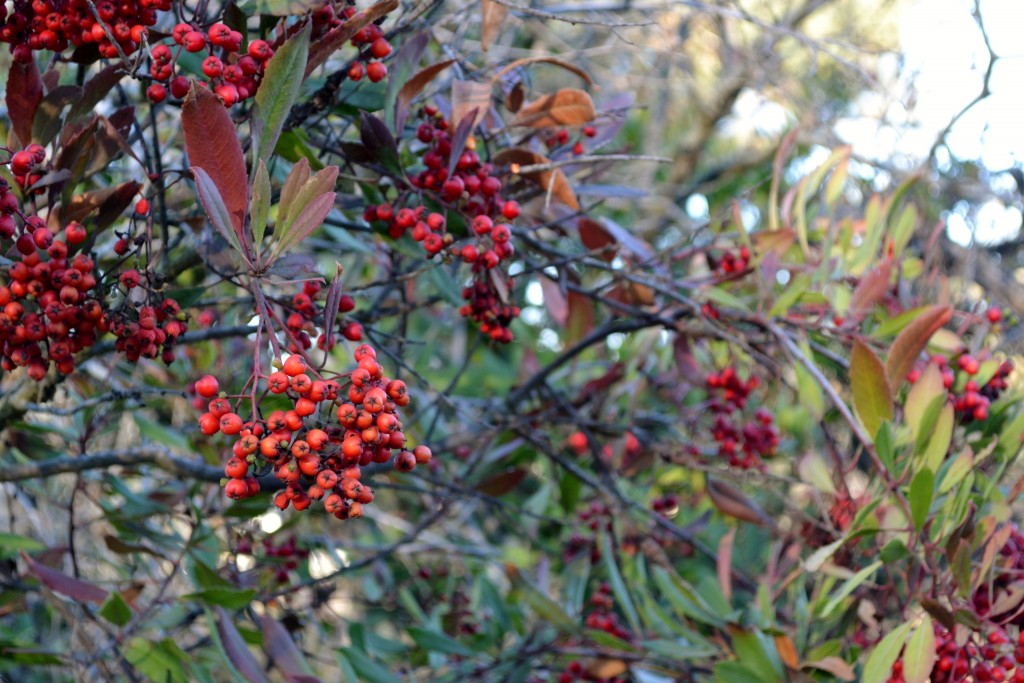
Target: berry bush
391, 342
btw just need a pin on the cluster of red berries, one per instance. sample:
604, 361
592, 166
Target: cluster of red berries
232, 77
281, 558
315, 458
595, 517
561, 138
306, 313
149, 330
983, 658
26, 168
730, 262
973, 401
472, 191
632, 449
742, 445
999, 589
49, 310
55, 24
600, 617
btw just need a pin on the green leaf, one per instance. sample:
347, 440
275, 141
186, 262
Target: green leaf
216, 210
885, 446
684, 598
849, 586
921, 396
735, 672
230, 598
790, 296
938, 445
435, 641
281, 84
259, 209
878, 667
679, 650
919, 655
622, 597
368, 670
163, 661
753, 651
957, 470
292, 146
920, 496
11, 544
115, 609
872, 396
547, 608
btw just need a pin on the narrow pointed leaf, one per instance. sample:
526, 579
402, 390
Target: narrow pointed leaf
237, 651
912, 340
59, 582
281, 84
216, 210
309, 220
919, 655
259, 210
413, 87
878, 667
872, 396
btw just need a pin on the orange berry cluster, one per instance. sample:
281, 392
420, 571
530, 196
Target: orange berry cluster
55, 24
370, 40
318, 447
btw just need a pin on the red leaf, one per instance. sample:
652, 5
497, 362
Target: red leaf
282, 651
211, 141
238, 652
24, 93
870, 290
60, 582
336, 38
912, 340
596, 237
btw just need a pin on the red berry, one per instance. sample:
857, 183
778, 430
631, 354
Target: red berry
207, 386
156, 93
376, 71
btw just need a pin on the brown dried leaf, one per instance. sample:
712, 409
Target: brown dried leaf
413, 87
724, 564
778, 241
492, 16
568, 66
787, 650
565, 107
514, 98
553, 179
470, 96
833, 665
732, 503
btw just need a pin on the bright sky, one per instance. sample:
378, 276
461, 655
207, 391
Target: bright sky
947, 56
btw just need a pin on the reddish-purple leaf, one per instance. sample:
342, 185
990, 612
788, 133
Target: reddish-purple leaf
216, 210
237, 651
379, 141
307, 221
24, 93
503, 482
912, 340
335, 39
870, 290
59, 582
334, 294
283, 653
581, 316
211, 141
95, 89
555, 301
